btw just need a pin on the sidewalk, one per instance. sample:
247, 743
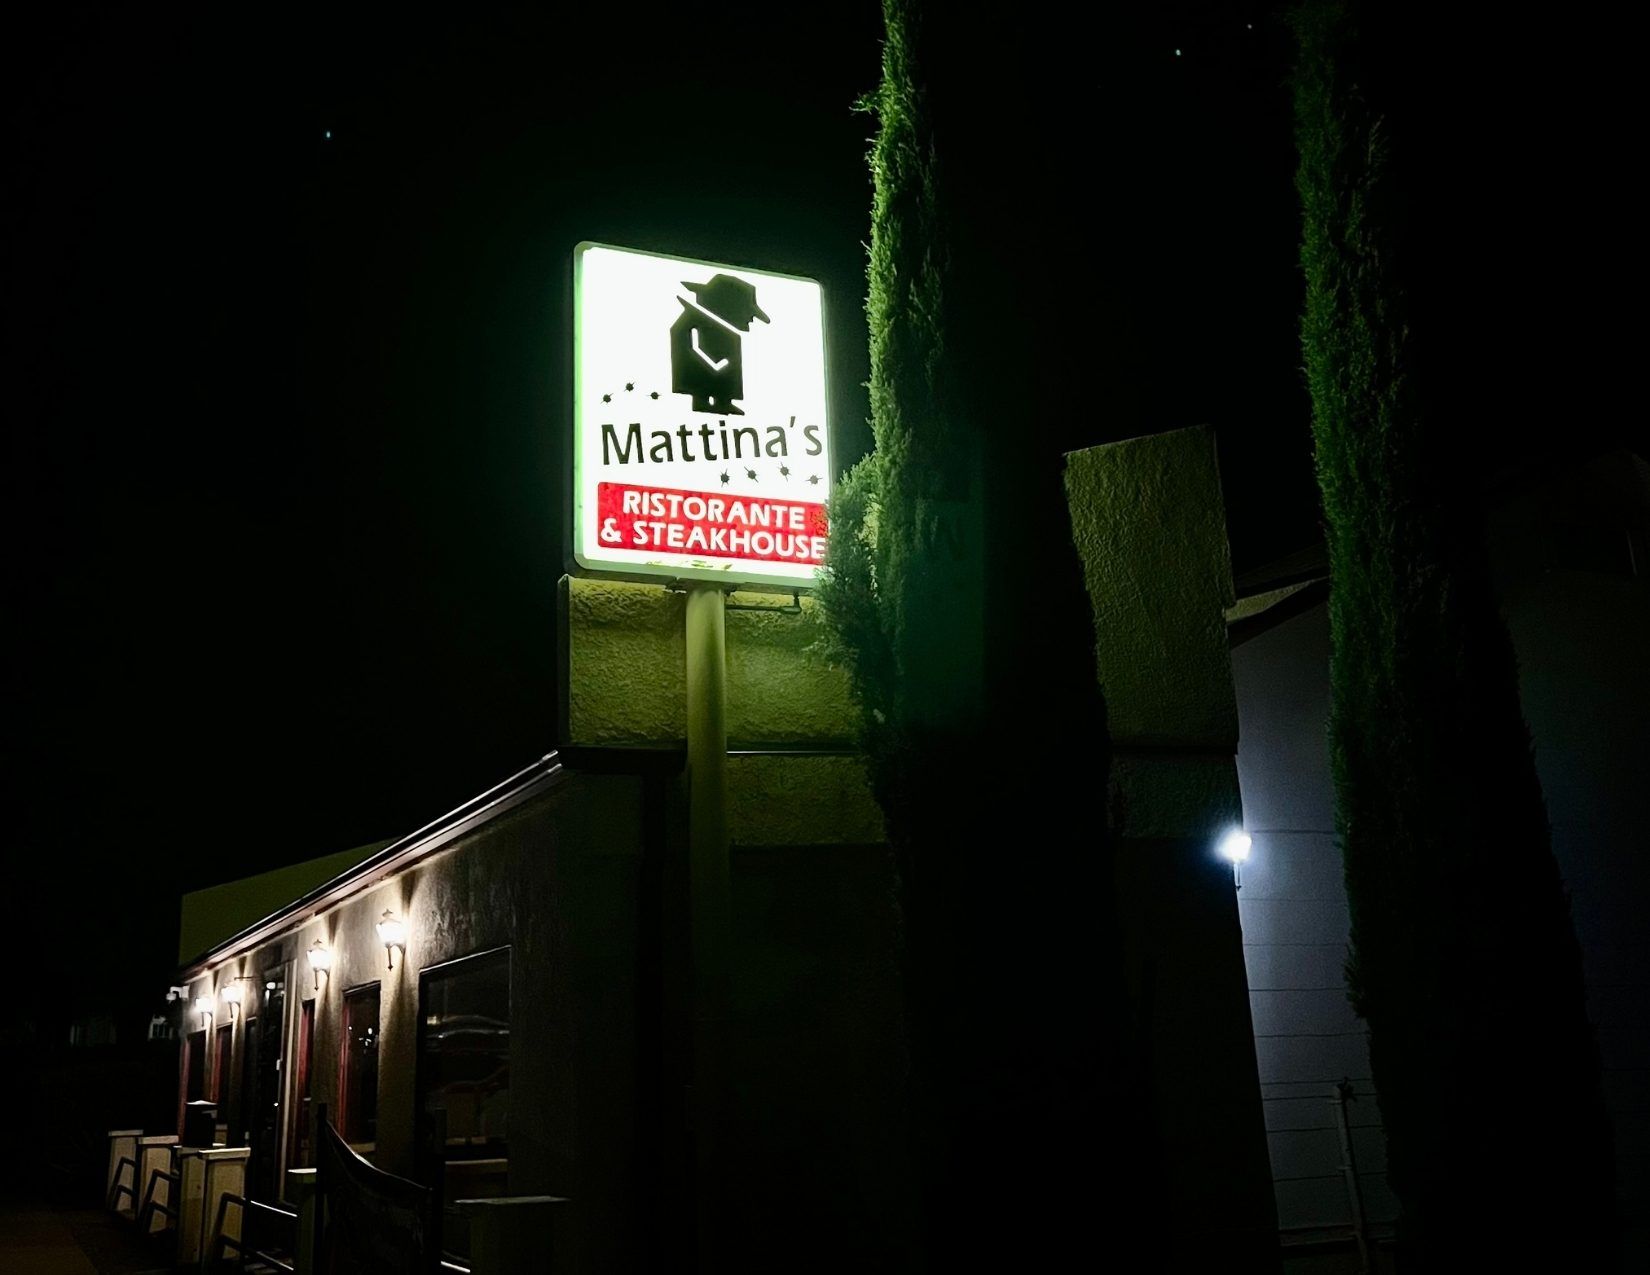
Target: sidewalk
42, 1236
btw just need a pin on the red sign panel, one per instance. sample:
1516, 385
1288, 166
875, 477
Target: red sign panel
748, 528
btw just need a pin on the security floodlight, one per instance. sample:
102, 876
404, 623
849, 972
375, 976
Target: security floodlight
1234, 848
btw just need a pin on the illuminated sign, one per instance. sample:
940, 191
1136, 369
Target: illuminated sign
700, 444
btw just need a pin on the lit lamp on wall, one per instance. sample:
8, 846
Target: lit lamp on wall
392, 933
203, 1007
232, 997
1234, 848
320, 960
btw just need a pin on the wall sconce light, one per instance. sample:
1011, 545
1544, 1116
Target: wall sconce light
203, 1007
320, 960
392, 933
1234, 848
232, 997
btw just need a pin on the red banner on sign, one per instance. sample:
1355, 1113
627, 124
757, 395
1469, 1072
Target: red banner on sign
706, 524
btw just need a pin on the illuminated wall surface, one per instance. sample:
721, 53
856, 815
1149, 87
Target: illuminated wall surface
1569, 560
701, 445
625, 681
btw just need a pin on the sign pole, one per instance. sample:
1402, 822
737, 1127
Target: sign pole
710, 902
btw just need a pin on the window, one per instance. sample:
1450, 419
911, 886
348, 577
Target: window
463, 1081
264, 1176
244, 1090
358, 1071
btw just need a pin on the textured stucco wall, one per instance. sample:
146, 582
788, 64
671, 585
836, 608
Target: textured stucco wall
780, 688
624, 680
623, 663
1174, 795
1150, 527
800, 801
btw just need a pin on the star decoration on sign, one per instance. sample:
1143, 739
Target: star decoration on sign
785, 472
751, 474
724, 478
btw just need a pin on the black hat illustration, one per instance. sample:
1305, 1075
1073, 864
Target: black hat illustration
706, 348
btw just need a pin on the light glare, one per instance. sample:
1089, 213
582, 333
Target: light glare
320, 960
1234, 846
392, 933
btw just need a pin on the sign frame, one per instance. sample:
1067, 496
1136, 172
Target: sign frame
733, 576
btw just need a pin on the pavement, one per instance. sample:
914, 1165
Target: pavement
49, 1234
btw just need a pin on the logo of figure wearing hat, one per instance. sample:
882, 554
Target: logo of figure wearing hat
706, 359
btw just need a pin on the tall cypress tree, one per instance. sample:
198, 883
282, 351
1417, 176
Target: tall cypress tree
1464, 962
984, 725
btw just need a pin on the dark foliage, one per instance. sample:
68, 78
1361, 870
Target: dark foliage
954, 597
1464, 964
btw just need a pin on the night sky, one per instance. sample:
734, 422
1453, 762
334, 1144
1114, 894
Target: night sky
286, 308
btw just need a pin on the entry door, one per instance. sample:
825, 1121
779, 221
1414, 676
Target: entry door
265, 1167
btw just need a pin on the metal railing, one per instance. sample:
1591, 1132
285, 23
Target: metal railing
152, 1206
245, 1247
118, 1188
1358, 1233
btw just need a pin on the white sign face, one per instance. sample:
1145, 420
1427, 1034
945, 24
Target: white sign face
700, 443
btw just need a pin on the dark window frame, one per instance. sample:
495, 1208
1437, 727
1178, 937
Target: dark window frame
266, 1170
223, 1054
197, 1062
247, 1081
301, 1137
423, 1135
346, 1114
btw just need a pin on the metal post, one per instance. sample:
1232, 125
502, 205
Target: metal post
1349, 1173
710, 903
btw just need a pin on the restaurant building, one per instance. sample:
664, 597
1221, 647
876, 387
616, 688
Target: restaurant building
503, 1001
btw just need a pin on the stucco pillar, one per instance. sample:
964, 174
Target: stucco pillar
1150, 528
302, 1189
